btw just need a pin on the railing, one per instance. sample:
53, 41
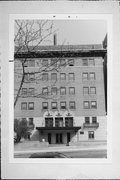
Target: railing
90, 125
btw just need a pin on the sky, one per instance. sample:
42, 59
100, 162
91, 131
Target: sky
71, 32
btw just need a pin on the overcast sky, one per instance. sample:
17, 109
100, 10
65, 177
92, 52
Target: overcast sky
79, 32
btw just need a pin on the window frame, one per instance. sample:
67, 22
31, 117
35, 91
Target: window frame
73, 78
44, 75
44, 106
94, 119
91, 89
72, 106
44, 88
91, 134
94, 106
29, 105
70, 91
85, 63
62, 88
30, 124
24, 94
61, 63
53, 106
25, 103
54, 91
43, 62
62, 79
33, 91
84, 78
61, 105
84, 92
91, 64
31, 78
92, 78
52, 75
86, 107
87, 120
71, 62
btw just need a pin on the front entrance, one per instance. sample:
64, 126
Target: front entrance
49, 138
68, 137
59, 138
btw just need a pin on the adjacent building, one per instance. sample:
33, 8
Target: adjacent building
63, 93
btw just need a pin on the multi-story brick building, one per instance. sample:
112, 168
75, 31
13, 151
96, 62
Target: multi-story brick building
63, 93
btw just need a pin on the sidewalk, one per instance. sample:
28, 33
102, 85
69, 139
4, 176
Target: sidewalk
61, 149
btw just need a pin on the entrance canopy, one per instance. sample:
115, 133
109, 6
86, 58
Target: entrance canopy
58, 128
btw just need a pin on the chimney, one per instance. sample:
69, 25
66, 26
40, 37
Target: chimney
55, 39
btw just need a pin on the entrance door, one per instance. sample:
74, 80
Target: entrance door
59, 138
49, 138
68, 137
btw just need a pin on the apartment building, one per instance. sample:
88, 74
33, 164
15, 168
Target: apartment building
63, 93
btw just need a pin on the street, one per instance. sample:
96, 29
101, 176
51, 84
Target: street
67, 154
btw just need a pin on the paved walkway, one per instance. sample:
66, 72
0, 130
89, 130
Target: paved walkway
61, 149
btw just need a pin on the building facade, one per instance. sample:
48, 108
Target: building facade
63, 93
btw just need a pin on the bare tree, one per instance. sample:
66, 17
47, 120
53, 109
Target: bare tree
29, 35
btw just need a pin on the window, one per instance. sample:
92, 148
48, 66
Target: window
45, 76
31, 63
23, 106
71, 76
71, 62
30, 121
45, 62
91, 62
93, 104
72, 104
71, 90
24, 91
54, 105
81, 132
94, 120
32, 77
91, 134
54, 76
85, 62
87, 120
62, 91
26, 77
85, 90
85, 76
31, 105
62, 62
45, 91
86, 105
59, 122
68, 121
54, 91
92, 76
31, 91
54, 62
63, 105
62, 76
92, 90
49, 122
45, 105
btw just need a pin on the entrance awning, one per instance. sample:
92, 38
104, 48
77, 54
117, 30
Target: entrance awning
76, 128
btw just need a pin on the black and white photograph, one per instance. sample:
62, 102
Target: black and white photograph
60, 88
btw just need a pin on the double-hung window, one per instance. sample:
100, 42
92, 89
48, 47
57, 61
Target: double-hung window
62, 91
31, 105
